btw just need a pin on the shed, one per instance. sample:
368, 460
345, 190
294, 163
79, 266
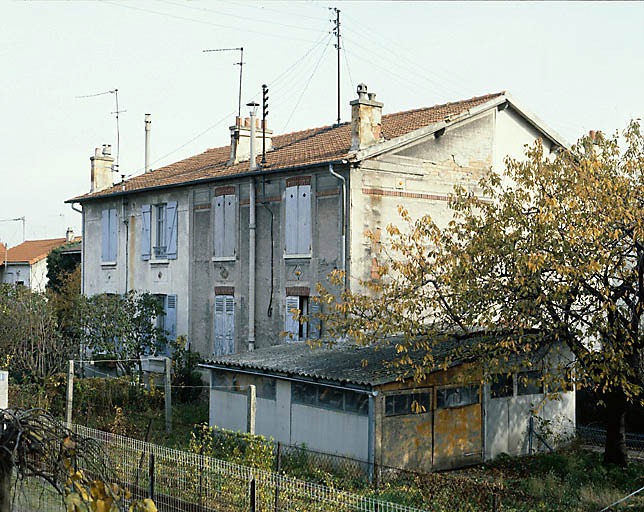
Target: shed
347, 400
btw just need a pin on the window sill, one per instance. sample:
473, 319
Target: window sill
159, 262
297, 256
108, 264
224, 258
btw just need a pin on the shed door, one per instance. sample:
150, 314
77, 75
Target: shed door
457, 427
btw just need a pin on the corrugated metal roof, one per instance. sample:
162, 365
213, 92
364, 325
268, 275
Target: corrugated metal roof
342, 363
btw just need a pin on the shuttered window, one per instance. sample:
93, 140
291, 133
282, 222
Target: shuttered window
296, 330
109, 231
168, 320
171, 230
165, 230
298, 220
146, 241
224, 325
225, 225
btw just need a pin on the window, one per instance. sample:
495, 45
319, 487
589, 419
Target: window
502, 386
109, 230
411, 403
460, 396
165, 230
298, 331
160, 243
224, 324
327, 397
228, 381
528, 383
297, 217
168, 320
225, 208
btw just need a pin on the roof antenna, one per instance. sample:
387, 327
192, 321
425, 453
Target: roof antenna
241, 68
336, 33
115, 92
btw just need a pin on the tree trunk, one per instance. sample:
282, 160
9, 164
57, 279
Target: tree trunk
6, 467
615, 449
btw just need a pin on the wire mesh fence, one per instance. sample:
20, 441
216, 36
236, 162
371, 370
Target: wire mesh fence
597, 436
188, 482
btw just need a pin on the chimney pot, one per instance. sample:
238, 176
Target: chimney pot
107, 149
247, 122
366, 119
69, 235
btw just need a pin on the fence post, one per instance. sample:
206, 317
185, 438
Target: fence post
530, 426
201, 476
278, 467
70, 393
151, 476
168, 397
252, 409
252, 495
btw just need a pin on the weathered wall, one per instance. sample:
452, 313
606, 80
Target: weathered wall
157, 276
14, 272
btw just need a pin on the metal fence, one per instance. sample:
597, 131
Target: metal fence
597, 436
187, 482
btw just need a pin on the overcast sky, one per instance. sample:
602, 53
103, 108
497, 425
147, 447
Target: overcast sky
577, 65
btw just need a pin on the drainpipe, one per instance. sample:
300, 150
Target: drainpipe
344, 219
82, 247
251, 235
371, 436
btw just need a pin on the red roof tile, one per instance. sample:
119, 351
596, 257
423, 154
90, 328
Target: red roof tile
32, 251
306, 147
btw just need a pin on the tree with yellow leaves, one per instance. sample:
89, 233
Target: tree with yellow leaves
549, 255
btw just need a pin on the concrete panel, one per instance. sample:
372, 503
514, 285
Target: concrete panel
330, 431
228, 410
4, 389
497, 421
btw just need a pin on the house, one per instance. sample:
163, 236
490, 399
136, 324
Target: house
346, 400
26, 263
231, 245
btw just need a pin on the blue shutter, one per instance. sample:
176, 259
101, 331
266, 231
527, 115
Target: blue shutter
105, 235
171, 225
229, 227
219, 225
291, 220
304, 219
113, 234
291, 326
229, 324
171, 318
314, 323
146, 218
220, 311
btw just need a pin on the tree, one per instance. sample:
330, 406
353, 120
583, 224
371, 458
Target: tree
59, 265
551, 257
29, 335
120, 326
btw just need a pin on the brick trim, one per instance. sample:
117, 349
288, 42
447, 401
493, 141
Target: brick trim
298, 291
202, 207
298, 180
224, 290
223, 191
399, 193
325, 193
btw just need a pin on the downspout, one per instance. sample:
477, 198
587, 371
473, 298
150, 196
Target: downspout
82, 247
344, 220
371, 436
251, 239
127, 240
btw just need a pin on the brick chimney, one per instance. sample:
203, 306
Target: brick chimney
366, 119
240, 140
101, 177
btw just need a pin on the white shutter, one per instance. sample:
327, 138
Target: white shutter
304, 219
229, 227
291, 220
146, 217
314, 323
171, 233
220, 307
219, 225
291, 325
113, 235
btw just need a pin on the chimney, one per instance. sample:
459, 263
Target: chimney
240, 139
148, 127
69, 235
366, 119
101, 162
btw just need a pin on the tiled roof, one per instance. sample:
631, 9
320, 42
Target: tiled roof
292, 150
32, 251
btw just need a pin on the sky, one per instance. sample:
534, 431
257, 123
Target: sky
577, 65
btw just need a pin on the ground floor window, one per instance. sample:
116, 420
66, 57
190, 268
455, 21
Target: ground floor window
458, 396
409, 403
327, 397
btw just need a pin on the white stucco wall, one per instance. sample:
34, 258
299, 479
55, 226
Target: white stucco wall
14, 272
165, 277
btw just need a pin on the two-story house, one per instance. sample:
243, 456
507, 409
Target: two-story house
232, 243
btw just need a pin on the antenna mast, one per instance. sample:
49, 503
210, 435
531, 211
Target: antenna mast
16, 220
336, 32
241, 69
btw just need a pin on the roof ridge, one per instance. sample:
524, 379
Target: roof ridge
441, 105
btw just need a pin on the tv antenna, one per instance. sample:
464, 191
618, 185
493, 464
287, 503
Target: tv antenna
336, 33
16, 220
241, 68
115, 92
